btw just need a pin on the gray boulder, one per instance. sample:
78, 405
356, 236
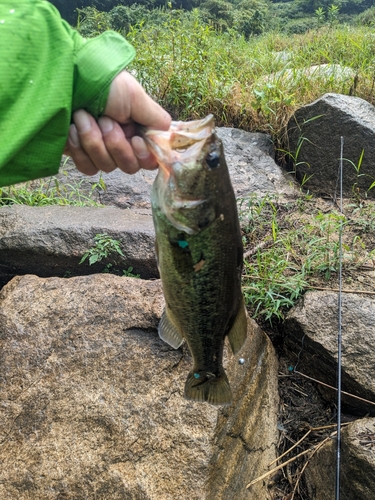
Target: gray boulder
249, 157
311, 329
50, 241
92, 400
357, 472
320, 126
251, 165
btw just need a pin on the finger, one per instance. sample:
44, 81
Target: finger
80, 158
118, 145
147, 112
92, 142
145, 158
128, 100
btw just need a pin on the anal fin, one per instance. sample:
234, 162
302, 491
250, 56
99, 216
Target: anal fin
238, 332
169, 332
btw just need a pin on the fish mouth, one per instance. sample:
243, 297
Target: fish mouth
178, 147
182, 134
181, 144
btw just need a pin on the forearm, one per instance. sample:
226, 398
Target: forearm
47, 70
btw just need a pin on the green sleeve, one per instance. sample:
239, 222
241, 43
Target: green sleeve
47, 71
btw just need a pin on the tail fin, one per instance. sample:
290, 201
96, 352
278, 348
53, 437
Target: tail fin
203, 386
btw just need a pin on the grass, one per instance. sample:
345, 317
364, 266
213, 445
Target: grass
193, 70
255, 84
47, 192
292, 247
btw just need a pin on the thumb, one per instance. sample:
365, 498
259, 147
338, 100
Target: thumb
128, 100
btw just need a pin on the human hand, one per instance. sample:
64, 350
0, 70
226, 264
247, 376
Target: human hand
112, 142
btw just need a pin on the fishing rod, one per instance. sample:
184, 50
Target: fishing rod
339, 336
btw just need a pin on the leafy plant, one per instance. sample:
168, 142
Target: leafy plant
129, 273
104, 247
320, 15
332, 14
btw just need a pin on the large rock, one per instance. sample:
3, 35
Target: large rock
50, 241
357, 471
249, 157
320, 126
92, 400
311, 330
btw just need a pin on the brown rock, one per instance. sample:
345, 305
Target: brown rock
92, 400
357, 471
311, 329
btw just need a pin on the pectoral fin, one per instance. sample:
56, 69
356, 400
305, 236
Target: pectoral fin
169, 332
237, 334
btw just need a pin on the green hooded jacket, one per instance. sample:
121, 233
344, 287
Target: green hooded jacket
47, 71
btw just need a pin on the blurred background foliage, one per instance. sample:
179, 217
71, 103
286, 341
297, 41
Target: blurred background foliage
249, 62
247, 17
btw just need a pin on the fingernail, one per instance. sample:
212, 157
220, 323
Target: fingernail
106, 124
73, 136
140, 148
82, 121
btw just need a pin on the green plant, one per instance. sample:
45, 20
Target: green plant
332, 14
288, 250
49, 191
126, 272
104, 247
320, 15
357, 195
363, 216
129, 273
327, 227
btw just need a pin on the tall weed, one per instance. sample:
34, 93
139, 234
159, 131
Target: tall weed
193, 69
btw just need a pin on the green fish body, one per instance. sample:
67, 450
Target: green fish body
199, 253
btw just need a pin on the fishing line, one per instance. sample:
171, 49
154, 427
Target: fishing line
339, 184
339, 336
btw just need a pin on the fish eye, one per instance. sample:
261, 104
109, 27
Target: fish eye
213, 159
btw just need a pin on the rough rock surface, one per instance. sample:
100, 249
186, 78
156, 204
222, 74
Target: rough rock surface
311, 329
50, 241
250, 161
92, 400
357, 472
320, 125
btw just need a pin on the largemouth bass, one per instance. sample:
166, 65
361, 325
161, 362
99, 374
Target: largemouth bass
199, 252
